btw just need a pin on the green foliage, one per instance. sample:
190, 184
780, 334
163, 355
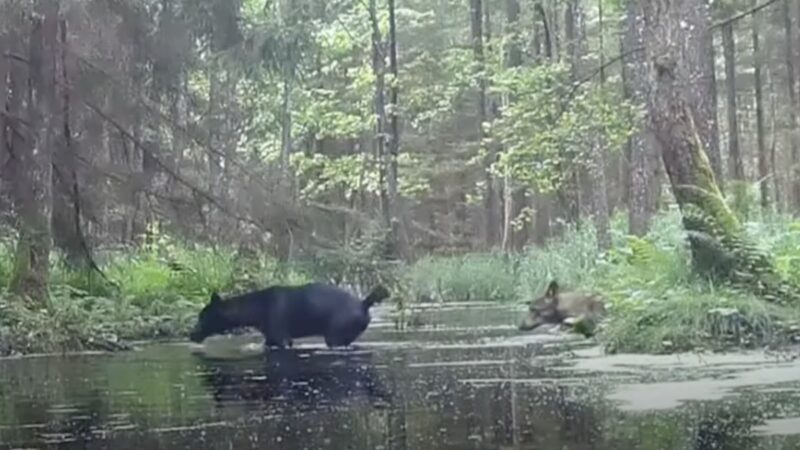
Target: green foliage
550, 125
692, 317
655, 301
570, 259
743, 199
362, 263
659, 305
6, 257
154, 292
474, 277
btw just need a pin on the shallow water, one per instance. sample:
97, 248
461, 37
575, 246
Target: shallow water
466, 380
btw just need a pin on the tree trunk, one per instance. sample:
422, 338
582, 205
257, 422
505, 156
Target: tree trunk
709, 102
379, 108
776, 179
542, 229
715, 235
4, 150
31, 272
763, 157
178, 111
569, 193
225, 34
396, 247
596, 170
735, 163
286, 119
794, 105
66, 220
543, 202
492, 223
514, 196
645, 180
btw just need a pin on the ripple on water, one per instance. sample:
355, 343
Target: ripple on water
467, 379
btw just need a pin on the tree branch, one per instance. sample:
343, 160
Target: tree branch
742, 14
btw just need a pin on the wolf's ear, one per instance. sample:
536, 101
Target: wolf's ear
215, 298
552, 289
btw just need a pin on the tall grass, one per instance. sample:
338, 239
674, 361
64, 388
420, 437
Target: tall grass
150, 292
472, 277
656, 303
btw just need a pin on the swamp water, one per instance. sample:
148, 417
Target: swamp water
466, 380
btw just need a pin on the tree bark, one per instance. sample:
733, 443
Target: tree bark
30, 277
794, 105
491, 203
4, 149
673, 114
735, 163
709, 102
379, 108
763, 157
715, 235
645, 180
776, 179
543, 202
66, 220
569, 193
515, 197
394, 140
596, 170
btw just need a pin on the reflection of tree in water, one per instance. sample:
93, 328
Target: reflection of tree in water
560, 416
79, 416
701, 425
728, 425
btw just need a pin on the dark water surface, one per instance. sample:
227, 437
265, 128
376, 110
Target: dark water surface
452, 385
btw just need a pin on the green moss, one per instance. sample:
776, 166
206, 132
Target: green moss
719, 247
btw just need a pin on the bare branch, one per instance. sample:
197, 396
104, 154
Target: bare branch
742, 14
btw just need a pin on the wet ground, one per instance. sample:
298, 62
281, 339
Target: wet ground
452, 384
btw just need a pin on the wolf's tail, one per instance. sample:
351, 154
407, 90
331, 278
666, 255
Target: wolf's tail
377, 295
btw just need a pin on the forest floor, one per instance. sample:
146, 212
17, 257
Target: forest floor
656, 303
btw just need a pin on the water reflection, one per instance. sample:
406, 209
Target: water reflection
291, 381
458, 386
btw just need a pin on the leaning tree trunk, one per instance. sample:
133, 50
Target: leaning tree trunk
715, 235
34, 175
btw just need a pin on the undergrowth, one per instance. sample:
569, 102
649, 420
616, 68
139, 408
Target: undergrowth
145, 293
656, 304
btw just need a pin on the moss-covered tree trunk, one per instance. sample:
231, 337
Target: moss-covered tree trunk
675, 62
33, 191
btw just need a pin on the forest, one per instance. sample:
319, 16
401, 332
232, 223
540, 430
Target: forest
155, 151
